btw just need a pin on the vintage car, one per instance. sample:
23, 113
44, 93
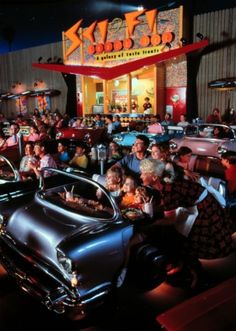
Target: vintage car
67, 248
16, 192
207, 139
90, 135
127, 139
69, 254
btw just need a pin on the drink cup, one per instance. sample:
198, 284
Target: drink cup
148, 208
69, 196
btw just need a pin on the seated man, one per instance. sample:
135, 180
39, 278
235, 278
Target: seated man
45, 159
24, 169
13, 140
155, 126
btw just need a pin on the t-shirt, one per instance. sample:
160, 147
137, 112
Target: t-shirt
230, 176
80, 161
131, 165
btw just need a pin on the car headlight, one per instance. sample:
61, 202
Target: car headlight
64, 261
3, 222
59, 135
221, 150
117, 139
173, 145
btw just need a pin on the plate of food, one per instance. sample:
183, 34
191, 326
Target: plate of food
133, 214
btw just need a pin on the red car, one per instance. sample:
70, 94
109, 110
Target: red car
94, 135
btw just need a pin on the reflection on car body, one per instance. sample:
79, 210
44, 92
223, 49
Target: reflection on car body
127, 139
203, 140
95, 135
67, 254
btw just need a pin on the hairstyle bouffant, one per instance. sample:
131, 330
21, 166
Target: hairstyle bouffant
156, 167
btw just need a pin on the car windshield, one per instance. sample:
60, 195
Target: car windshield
83, 197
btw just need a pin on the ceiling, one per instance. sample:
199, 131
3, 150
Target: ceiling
26, 23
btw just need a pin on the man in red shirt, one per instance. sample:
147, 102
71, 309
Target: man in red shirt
228, 160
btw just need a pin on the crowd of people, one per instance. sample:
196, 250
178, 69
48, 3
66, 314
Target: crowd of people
187, 220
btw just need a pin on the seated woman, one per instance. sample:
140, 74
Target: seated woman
202, 226
218, 132
114, 153
114, 182
183, 162
161, 152
34, 133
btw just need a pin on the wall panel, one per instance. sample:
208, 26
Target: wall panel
220, 59
17, 66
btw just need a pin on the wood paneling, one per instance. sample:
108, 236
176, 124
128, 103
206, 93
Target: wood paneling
220, 28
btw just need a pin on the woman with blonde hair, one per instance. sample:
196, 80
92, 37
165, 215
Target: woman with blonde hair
204, 226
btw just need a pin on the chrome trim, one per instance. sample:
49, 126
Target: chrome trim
58, 299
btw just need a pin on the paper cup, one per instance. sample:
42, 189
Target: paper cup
148, 208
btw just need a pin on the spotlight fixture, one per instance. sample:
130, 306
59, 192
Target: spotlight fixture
200, 35
49, 60
168, 45
59, 60
40, 59
140, 8
184, 41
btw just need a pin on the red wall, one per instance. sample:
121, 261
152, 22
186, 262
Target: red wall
176, 101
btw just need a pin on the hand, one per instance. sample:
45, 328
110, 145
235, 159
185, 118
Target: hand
32, 165
192, 175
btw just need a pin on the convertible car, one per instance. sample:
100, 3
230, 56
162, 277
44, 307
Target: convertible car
207, 139
68, 253
92, 135
67, 247
127, 138
15, 192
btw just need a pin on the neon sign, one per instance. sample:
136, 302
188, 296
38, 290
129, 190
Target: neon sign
107, 46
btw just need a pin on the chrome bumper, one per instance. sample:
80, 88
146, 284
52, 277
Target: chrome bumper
41, 284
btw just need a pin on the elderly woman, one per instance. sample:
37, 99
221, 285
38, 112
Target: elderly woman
201, 225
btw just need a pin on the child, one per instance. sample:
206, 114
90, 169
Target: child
128, 190
141, 197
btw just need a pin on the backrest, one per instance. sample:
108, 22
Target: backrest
218, 184
208, 166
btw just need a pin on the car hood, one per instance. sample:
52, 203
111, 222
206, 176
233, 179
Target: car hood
41, 229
